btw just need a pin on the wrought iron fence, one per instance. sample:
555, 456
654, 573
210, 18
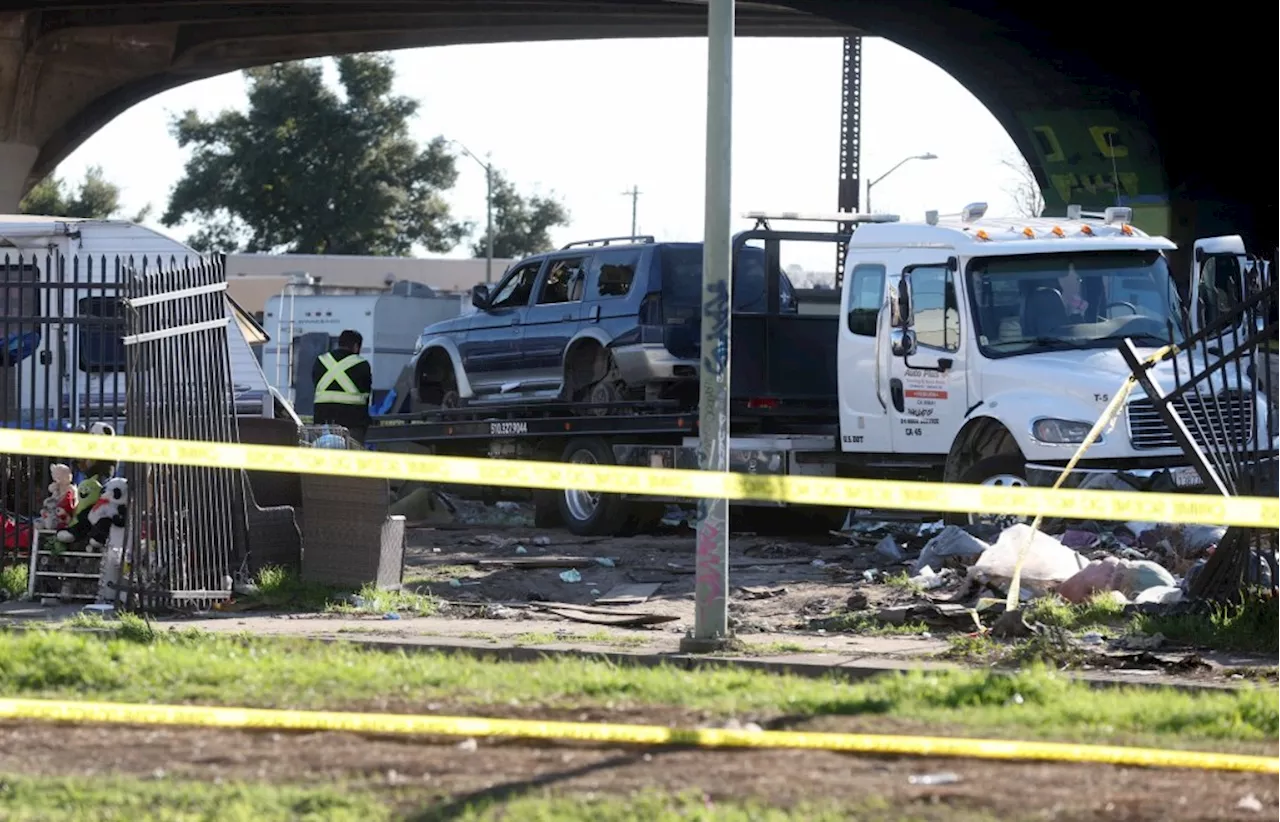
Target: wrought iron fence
180, 387
1222, 412
140, 345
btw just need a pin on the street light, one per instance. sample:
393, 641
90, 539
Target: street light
488, 207
927, 156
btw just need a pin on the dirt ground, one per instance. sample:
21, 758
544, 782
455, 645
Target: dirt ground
778, 583
455, 772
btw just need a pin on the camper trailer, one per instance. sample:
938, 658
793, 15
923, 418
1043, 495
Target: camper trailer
62, 281
305, 319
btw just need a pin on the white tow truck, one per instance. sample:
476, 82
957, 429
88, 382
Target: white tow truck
967, 349
1007, 352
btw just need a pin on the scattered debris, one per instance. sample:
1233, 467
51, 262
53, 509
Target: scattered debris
756, 592
888, 548
1250, 803
571, 575
635, 594
1011, 625
952, 543
944, 778
1046, 565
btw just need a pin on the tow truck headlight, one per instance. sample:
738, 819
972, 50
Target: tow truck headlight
1061, 432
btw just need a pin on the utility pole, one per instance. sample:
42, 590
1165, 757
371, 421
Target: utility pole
487, 165
634, 194
488, 222
711, 579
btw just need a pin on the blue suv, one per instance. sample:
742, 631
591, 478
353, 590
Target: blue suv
600, 321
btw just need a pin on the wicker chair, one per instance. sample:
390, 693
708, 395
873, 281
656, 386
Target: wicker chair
348, 535
271, 535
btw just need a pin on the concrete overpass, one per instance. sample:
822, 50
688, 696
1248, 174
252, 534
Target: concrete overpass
1097, 97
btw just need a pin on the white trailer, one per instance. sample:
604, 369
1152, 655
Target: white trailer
306, 321
55, 271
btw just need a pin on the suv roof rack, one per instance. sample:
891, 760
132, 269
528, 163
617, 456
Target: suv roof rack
762, 218
639, 238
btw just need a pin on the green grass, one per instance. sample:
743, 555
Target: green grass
117, 799
902, 582
281, 588
1253, 626
192, 667
1100, 611
864, 622
13, 580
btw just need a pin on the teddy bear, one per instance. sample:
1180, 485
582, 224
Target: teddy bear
110, 512
95, 472
62, 500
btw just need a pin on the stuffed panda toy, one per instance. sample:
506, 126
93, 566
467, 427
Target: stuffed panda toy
110, 512
95, 473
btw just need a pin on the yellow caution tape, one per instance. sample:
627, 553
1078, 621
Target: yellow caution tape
207, 717
1201, 509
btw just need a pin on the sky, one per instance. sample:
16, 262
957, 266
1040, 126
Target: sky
588, 120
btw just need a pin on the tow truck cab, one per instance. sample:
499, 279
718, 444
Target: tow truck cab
985, 349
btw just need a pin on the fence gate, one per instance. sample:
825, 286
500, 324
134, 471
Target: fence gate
179, 386
1222, 412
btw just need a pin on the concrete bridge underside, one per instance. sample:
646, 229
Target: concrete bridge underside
1096, 97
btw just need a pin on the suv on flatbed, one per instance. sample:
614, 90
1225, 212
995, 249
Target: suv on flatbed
602, 321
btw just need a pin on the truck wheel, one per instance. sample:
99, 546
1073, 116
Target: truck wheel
589, 513
1002, 470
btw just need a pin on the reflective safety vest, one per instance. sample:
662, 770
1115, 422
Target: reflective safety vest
335, 374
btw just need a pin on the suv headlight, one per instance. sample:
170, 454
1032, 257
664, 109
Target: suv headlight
1061, 432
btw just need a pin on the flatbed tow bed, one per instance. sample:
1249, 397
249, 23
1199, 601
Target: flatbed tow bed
652, 436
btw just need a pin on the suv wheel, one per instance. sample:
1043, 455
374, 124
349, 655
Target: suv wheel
591, 513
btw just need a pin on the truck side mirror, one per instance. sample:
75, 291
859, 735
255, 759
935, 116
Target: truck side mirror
902, 342
480, 297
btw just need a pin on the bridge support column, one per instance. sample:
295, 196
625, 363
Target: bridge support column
16, 162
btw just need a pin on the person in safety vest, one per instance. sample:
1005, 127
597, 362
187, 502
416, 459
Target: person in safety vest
344, 383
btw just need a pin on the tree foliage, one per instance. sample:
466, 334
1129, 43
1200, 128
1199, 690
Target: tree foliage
521, 225
310, 169
1028, 199
96, 199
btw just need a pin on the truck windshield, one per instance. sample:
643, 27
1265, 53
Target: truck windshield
1051, 302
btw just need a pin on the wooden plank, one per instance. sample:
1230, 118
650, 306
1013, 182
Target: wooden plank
629, 594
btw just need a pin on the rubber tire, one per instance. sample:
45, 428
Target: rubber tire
983, 469
611, 513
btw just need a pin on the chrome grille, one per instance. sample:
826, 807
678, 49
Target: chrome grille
1147, 429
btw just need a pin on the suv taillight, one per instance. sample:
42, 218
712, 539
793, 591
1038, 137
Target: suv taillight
651, 309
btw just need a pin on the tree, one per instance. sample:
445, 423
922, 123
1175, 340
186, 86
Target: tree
97, 199
521, 225
1028, 199
313, 170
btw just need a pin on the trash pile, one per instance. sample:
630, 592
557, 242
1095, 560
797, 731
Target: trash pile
1136, 563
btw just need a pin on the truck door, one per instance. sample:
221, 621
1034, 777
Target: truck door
928, 388
1217, 279
862, 357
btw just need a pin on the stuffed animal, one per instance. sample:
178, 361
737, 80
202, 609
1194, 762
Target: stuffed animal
61, 503
95, 472
109, 513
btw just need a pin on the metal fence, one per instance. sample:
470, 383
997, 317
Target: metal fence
183, 519
1222, 412
139, 344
